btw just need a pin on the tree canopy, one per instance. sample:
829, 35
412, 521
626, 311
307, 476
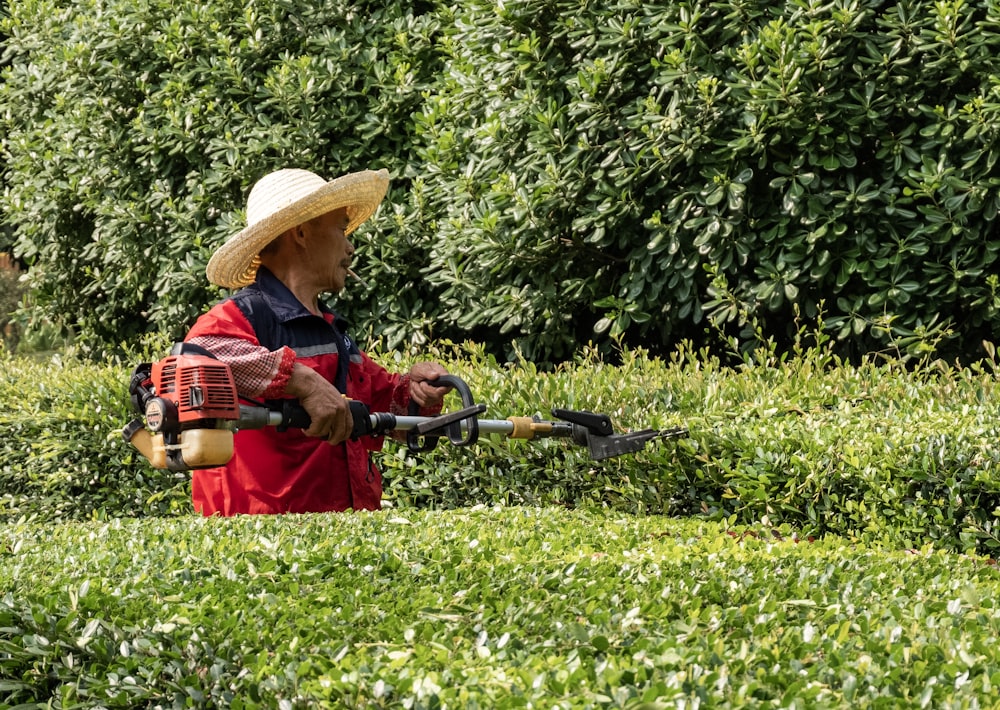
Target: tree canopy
562, 171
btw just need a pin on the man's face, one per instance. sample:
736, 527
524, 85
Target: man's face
329, 251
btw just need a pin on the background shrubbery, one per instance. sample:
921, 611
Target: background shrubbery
629, 168
875, 452
132, 130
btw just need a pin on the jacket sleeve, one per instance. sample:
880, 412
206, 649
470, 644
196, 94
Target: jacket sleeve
391, 392
258, 372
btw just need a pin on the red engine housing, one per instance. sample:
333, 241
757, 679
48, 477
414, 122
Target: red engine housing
200, 388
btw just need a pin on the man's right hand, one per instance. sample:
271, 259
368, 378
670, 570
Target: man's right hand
327, 407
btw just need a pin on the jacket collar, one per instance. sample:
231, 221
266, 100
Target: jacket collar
283, 302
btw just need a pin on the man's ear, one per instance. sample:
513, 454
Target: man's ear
274, 246
298, 235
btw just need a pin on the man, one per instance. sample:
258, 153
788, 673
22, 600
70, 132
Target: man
281, 341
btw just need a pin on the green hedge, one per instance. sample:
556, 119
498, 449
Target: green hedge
498, 608
877, 453
62, 456
664, 163
630, 168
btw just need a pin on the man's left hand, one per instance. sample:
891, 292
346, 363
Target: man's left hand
420, 391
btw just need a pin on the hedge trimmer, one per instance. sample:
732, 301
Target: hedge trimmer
190, 408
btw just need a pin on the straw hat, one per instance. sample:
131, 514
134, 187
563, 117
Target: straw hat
285, 199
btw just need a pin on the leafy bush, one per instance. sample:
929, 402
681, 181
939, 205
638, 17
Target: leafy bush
497, 608
879, 453
632, 168
165, 114
61, 452
872, 452
868, 453
640, 167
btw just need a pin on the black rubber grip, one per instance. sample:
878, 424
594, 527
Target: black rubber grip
294, 415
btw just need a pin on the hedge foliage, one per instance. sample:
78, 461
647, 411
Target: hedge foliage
874, 453
667, 162
62, 456
488, 608
634, 169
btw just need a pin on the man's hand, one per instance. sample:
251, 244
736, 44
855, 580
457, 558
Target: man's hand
420, 391
327, 407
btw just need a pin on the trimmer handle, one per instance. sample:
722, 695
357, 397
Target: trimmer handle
470, 412
294, 415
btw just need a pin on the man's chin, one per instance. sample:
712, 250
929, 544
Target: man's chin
336, 285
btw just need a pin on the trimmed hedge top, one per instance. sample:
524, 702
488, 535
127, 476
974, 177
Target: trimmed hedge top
875, 453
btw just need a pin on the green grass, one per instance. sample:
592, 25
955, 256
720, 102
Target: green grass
486, 607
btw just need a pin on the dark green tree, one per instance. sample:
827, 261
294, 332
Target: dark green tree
562, 171
134, 131
643, 168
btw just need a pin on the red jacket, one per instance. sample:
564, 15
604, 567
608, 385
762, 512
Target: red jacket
262, 331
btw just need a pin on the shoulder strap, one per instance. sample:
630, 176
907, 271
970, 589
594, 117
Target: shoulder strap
183, 348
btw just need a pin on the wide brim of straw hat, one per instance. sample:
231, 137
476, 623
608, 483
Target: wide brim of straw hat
285, 199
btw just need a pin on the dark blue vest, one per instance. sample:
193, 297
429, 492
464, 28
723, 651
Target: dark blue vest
278, 319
